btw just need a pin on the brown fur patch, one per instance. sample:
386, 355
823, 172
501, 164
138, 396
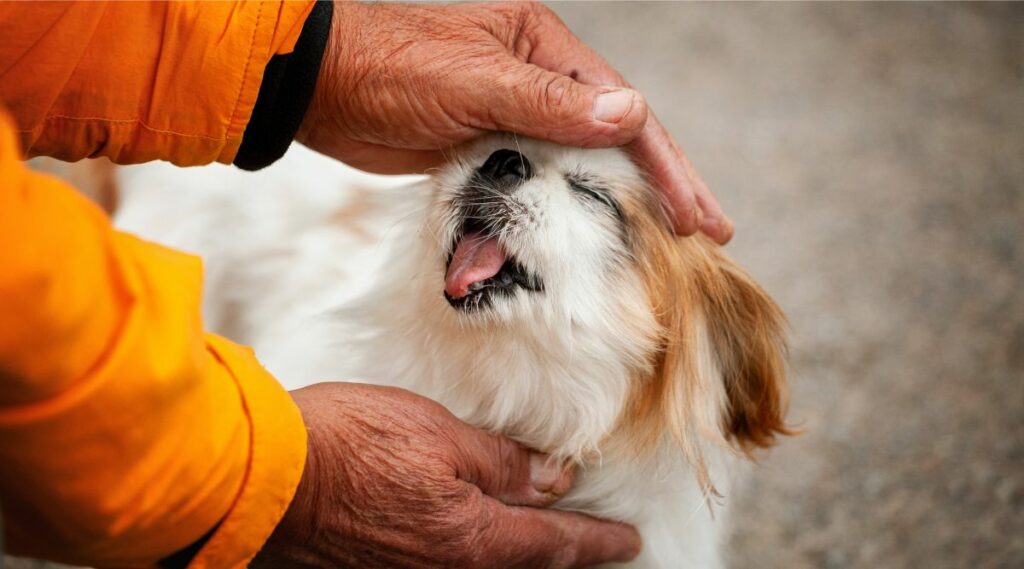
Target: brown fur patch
690, 282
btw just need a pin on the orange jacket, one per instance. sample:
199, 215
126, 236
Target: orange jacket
126, 432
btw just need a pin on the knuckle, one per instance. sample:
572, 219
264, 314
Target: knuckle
508, 459
514, 458
518, 13
480, 550
553, 548
506, 21
541, 12
562, 557
556, 96
477, 543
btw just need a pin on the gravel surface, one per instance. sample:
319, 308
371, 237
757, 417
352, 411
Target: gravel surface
872, 157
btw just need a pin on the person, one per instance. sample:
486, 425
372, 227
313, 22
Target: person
131, 437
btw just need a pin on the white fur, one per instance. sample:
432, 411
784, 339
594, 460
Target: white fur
319, 300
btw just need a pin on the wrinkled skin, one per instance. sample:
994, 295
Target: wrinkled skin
394, 480
401, 83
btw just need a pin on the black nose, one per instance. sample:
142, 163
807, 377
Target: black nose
509, 163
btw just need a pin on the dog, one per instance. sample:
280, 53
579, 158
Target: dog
535, 290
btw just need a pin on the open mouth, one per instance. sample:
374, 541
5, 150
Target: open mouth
479, 270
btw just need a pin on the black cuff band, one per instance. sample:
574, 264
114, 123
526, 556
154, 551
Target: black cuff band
288, 85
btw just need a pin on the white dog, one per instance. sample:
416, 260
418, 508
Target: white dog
533, 289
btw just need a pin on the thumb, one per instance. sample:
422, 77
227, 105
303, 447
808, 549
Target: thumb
507, 471
529, 100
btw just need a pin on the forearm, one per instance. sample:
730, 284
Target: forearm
126, 432
139, 81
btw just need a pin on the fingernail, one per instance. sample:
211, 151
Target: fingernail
613, 106
547, 476
718, 228
728, 230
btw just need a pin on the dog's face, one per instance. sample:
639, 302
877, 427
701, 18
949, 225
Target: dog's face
534, 236
529, 225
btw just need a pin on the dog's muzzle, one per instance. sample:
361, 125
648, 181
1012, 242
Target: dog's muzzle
478, 268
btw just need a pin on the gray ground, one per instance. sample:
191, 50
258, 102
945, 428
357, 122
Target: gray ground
872, 157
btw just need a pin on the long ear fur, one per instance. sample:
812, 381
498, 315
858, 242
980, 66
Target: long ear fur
720, 373
745, 328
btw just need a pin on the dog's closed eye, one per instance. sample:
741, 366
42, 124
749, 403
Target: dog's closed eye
586, 188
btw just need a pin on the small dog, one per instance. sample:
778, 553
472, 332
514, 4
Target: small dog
533, 289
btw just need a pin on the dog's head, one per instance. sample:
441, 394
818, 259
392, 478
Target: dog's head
533, 235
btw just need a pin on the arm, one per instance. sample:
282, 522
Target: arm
126, 432
137, 81
100, 338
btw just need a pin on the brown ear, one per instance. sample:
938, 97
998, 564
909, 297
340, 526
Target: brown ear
721, 341
745, 328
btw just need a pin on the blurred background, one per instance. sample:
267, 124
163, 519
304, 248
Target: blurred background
872, 157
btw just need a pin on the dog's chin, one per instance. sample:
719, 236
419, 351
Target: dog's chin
504, 279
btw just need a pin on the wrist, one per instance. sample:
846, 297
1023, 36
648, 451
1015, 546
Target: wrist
287, 543
286, 91
322, 108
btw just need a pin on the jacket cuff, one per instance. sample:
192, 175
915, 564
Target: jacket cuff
276, 461
287, 88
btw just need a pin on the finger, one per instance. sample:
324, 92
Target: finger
542, 95
507, 471
526, 99
692, 206
714, 223
528, 537
546, 42
658, 155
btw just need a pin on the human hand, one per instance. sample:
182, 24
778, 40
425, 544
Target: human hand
394, 480
400, 83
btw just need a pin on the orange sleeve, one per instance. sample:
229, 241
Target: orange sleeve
126, 432
139, 81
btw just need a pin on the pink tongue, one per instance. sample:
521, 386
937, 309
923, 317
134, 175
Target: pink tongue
476, 259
